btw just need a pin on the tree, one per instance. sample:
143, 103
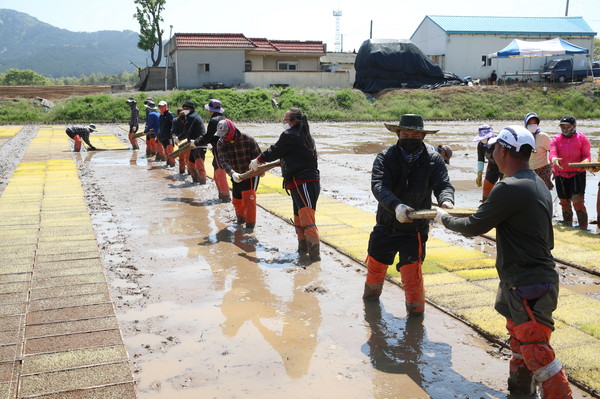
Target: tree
596, 54
17, 77
148, 16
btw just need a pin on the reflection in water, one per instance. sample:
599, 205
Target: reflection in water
400, 346
134, 157
250, 300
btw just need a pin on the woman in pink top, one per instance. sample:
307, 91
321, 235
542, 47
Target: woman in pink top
539, 161
566, 147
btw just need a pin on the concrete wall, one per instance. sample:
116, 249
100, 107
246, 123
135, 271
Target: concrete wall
156, 78
308, 63
226, 66
299, 79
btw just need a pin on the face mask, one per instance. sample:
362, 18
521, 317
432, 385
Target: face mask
229, 137
568, 133
286, 126
532, 128
410, 145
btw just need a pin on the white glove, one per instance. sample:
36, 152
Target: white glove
254, 164
440, 214
556, 162
192, 145
175, 140
402, 213
447, 205
236, 177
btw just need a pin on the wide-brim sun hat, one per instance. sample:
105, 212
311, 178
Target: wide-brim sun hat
214, 105
484, 132
409, 123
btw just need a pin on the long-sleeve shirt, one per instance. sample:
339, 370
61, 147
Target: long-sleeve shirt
539, 158
236, 156
134, 119
520, 207
80, 131
571, 149
193, 128
152, 123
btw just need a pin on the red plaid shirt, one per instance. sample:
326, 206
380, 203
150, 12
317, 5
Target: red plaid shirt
236, 156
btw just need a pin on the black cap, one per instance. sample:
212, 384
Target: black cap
189, 104
567, 120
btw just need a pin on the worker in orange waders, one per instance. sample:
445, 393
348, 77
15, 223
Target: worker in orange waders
404, 177
176, 131
297, 151
520, 208
236, 150
134, 122
79, 133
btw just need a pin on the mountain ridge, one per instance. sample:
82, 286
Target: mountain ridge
28, 43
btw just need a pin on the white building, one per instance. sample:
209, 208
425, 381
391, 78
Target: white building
461, 44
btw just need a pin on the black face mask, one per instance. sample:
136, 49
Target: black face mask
410, 145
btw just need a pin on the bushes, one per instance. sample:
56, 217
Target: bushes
259, 105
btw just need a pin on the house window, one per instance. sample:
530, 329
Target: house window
203, 67
248, 66
485, 61
287, 66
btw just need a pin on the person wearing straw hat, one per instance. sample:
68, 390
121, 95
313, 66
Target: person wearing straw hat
520, 208
403, 179
78, 133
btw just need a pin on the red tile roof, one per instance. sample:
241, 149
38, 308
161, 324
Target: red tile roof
238, 40
213, 40
296, 46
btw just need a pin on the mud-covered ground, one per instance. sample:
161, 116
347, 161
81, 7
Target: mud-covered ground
209, 310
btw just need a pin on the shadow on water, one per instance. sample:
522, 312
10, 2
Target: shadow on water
191, 201
400, 346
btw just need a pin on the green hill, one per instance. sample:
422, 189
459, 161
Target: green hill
27, 43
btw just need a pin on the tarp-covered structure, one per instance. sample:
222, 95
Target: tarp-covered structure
384, 64
544, 48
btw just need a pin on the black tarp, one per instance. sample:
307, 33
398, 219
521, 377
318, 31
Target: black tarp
384, 64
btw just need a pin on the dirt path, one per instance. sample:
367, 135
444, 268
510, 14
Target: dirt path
208, 310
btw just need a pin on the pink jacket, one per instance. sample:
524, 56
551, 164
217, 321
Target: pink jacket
573, 149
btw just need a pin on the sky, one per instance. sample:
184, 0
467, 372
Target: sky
299, 20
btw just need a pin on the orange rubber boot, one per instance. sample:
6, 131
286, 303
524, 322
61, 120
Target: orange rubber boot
249, 199
302, 245
77, 145
134, 144
199, 164
183, 161
375, 277
220, 177
309, 225
539, 357
240, 213
519, 376
487, 188
170, 161
414, 290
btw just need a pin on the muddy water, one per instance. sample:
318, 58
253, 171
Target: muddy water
211, 310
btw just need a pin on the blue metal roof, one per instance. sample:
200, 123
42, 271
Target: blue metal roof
513, 25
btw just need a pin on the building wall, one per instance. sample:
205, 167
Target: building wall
462, 53
305, 63
225, 66
299, 79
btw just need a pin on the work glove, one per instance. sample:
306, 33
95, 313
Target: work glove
478, 178
175, 140
440, 214
236, 177
192, 145
254, 164
447, 205
92, 148
402, 213
556, 162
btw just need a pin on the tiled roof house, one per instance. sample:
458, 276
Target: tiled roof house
234, 59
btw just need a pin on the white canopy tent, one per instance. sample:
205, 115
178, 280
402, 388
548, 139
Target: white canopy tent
544, 48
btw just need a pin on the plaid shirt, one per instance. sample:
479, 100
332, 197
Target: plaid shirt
236, 156
80, 131
134, 120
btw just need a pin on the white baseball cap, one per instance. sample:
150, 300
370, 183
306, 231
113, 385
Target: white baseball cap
513, 138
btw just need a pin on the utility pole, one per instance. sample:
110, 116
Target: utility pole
567, 10
167, 58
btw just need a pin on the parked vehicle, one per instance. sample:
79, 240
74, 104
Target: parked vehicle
561, 70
